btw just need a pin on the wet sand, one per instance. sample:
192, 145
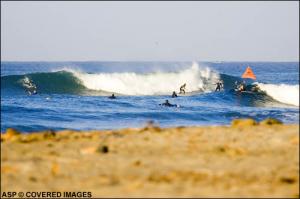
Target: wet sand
242, 160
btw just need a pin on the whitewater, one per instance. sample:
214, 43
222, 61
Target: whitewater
288, 94
157, 83
75, 94
198, 79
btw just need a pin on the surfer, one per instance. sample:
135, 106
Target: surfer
247, 74
174, 94
242, 87
31, 88
167, 103
182, 89
112, 96
219, 85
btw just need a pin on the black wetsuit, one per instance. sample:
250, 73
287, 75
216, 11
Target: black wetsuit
167, 103
31, 88
174, 94
112, 97
182, 89
219, 85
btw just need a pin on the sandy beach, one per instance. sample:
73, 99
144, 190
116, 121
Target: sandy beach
242, 160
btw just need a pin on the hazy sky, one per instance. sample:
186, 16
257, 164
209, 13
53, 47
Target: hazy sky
150, 31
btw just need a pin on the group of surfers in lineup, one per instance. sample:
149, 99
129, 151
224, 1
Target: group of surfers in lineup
240, 87
219, 86
31, 88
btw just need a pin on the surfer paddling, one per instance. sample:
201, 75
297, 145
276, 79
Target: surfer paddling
167, 103
112, 96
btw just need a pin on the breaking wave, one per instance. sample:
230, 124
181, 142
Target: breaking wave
288, 94
197, 80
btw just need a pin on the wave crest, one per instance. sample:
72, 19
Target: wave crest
196, 78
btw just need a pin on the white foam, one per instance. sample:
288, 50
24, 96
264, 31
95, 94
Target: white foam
159, 83
288, 94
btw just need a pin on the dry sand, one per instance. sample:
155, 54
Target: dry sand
244, 160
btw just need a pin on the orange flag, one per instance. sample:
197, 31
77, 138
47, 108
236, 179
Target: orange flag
248, 73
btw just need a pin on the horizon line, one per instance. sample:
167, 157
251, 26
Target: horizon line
143, 61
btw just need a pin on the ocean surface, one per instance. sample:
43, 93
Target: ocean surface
74, 95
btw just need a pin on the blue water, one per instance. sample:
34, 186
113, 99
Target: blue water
66, 100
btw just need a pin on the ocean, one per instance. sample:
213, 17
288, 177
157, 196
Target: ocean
74, 95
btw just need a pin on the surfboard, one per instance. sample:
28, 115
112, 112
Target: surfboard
247, 91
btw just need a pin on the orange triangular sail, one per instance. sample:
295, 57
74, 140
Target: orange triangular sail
249, 73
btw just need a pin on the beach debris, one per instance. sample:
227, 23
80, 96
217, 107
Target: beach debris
160, 178
49, 134
288, 180
137, 163
32, 179
103, 149
243, 122
270, 121
11, 134
231, 151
